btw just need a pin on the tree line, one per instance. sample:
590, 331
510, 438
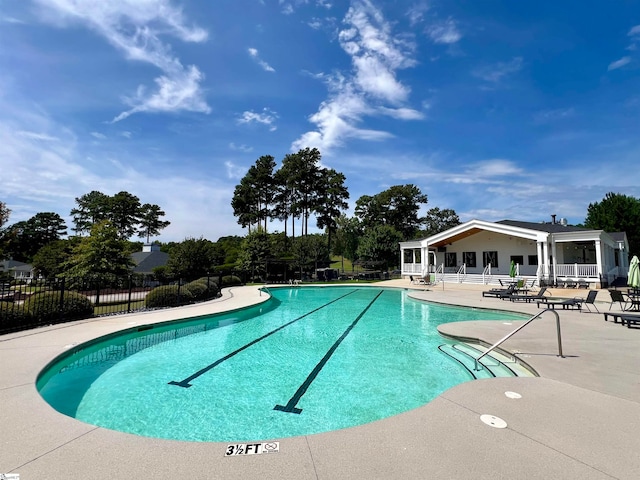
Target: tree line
122, 211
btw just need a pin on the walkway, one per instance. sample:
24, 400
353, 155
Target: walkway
580, 420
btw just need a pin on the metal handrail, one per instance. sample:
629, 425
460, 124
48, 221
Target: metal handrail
509, 335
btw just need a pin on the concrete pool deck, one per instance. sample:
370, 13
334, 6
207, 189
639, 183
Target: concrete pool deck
580, 419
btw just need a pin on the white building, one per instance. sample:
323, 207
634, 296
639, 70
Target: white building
552, 253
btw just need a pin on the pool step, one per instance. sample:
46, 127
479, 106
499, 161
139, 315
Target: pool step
494, 364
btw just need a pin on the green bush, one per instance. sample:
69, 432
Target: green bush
45, 306
197, 289
230, 281
213, 291
168, 296
12, 315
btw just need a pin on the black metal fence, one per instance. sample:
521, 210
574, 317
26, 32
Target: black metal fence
46, 302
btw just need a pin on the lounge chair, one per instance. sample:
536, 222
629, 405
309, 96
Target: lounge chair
500, 292
539, 296
576, 302
624, 317
565, 303
416, 281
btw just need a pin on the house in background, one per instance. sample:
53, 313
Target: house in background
481, 252
149, 258
19, 271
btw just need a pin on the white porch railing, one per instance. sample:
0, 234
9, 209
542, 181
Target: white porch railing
577, 270
412, 268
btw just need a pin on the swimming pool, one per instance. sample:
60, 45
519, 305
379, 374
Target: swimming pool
310, 360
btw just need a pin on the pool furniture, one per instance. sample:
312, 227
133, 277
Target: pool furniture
500, 292
567, 303
618, 296
628, 318
529, 298
417, 281
575, 302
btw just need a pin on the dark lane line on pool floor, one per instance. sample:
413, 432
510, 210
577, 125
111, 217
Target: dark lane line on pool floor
186, 382
290, 407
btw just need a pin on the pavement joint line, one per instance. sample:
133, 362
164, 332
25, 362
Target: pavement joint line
16, 386
313, 462
54, 449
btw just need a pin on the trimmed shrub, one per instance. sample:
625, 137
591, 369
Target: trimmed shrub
44, 307
12, 316
197, 289
213, 291
230, 281
167, 296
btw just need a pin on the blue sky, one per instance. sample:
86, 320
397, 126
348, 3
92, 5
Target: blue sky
496, 109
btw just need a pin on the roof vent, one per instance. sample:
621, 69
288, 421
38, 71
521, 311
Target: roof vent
563, 222
553, 218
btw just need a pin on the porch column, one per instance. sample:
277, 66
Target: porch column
554, 252
545, 255
599, 258
424, 260
541, 263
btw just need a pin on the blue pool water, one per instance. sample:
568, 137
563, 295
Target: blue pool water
310, 360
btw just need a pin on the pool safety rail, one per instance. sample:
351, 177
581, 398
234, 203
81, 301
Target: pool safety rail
511, 334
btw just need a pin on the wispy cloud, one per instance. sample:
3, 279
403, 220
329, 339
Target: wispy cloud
547, 116
253, 53
371, 88
266, 117
445, 32
496, 73
135, 28
240, 148
619, 63
98, 135
234, 172
416, 13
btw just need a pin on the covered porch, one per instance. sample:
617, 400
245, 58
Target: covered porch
482, 252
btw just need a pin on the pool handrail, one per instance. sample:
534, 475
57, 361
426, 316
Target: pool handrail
511, 334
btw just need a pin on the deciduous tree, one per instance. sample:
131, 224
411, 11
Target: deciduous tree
617, 213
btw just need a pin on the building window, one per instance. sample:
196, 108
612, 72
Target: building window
408, 256
469, 259
517, 259
533, 259
490, 258
451, 259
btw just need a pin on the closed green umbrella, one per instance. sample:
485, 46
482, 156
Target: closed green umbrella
512, 270
634, 273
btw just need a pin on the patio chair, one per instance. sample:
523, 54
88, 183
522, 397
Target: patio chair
618, 297
416, 281
624, 317
591, 300
529, 298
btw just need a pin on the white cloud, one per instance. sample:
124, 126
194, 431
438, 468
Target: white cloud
98, 135
178, 92
135, 28
234, 172
416, 13
253, 53
495, 73
619, 63
445, 32
267, 117
240, 148
402, 113
634, 31
372, 87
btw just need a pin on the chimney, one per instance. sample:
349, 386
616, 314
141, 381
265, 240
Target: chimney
553, 218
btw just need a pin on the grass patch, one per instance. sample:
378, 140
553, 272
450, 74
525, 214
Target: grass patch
117, 307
